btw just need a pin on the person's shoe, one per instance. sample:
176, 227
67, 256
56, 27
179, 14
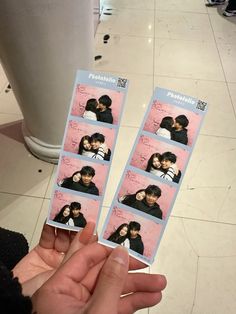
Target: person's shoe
211, 3
229, 13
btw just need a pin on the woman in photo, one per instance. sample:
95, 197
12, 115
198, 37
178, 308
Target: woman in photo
91, 109
120, 236
164, 166
85, 147
64, 216
94, 146
165, 128
70, 182
130, 199
154, 164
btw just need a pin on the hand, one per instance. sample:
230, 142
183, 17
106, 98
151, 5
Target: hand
175, 169
104, 147
55, 246
68, 291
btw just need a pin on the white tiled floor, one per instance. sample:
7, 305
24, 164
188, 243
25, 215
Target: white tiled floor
180, 45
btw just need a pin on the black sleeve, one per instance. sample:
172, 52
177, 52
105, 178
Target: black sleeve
83, 222
65, 184
156, 213
141, 248
177, 177
108, 155
111, 120
180, 137
98, 116
94, 190
11, 298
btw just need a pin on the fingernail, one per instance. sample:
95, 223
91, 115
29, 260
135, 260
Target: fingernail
120, 255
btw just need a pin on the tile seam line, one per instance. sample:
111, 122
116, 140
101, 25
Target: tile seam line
119, 34
161, 75
24, 195
121, 9
195, 286
202, 220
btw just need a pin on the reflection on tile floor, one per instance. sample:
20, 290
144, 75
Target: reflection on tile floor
179, 45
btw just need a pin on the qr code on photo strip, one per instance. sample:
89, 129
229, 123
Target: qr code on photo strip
201, 105
121, 82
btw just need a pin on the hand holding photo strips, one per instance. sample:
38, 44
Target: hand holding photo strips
102, 278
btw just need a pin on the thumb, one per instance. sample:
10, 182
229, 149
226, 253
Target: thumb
110, 283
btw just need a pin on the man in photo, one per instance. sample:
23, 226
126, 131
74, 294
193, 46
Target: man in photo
135, 239
81, 181
77, 216
179, 133
169, 167
99, 148
104, 113
149, 204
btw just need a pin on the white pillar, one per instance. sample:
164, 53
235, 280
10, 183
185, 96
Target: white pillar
42, 44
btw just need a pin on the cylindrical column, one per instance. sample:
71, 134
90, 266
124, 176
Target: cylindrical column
42, 44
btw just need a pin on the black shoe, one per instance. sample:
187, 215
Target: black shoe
229, 13
211, 3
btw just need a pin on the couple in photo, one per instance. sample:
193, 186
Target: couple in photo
144, 200
94, 146
174, 129
164, 166
99, 110
71, 215
81, 181
128, 236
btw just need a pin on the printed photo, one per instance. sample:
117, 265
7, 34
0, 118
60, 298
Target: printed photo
146, 194
173, 122
82, 176
137, 233
97, 104
93, 141
72, 210
159, 158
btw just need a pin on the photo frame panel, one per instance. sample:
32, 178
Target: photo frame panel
69, 165
151, 231
84, 92
135, 180
89, 206
76, 129
148, 145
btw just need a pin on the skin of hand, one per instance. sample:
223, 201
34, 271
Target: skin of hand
105, 148
175, 168
67, 291
55, 247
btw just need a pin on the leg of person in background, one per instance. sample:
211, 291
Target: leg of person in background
211, 3
230, 10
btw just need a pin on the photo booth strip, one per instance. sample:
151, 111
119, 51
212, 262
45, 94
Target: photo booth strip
88, 85
154, 137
